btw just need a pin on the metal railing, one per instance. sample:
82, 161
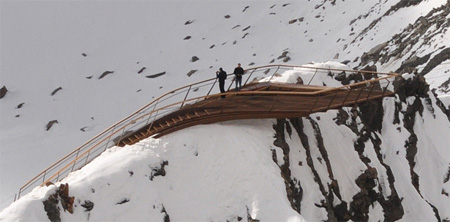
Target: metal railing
170, 102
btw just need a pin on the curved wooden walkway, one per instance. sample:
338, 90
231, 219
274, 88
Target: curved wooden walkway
197, 103
257, 101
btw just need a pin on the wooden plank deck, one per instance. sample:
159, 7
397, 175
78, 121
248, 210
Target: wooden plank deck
256, 101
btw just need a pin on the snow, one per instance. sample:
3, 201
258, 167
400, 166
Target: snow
215, 172
229, 166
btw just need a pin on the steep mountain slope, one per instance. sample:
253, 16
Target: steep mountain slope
82, 43
376, 161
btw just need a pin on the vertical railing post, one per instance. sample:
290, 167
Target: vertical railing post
312, 77
185, 97
153, 121
154, 107
248, 78
278, 67
231, 84
211, 88
109, 137
87, 158
121, 136
76, 156
57, 178
43, 176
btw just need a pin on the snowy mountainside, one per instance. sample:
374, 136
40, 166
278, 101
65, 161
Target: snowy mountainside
71, 44
348, 164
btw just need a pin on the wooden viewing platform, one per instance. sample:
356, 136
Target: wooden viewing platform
195, 104
257, 101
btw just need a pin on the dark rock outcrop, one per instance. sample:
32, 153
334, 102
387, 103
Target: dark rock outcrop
293, 186
3, 92
158, 171
88, 205
51, 205
52, 209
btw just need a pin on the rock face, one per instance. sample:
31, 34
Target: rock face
365, 121
51, 205
412, 40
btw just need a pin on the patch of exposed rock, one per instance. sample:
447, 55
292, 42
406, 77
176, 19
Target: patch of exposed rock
59, 198
3, 92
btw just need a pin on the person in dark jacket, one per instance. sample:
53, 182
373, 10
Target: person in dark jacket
238, 72
221, 75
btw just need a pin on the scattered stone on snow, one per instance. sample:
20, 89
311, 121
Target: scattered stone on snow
159, 171
141, 70
194, 59
3, 92
124, 200
105, 73
191, 72
50, 124
156, 75
88, 205
20, 105
292, 21
56, 90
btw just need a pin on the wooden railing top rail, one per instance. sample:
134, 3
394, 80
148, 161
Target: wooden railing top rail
131, 121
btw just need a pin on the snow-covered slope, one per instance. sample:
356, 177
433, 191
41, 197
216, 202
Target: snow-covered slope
47, 45
337, 165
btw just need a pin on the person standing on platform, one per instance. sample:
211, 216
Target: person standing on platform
238, 72
221, 75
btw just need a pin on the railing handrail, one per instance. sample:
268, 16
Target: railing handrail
122, 124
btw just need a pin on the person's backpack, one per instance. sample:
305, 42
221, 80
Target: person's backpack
223, 75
